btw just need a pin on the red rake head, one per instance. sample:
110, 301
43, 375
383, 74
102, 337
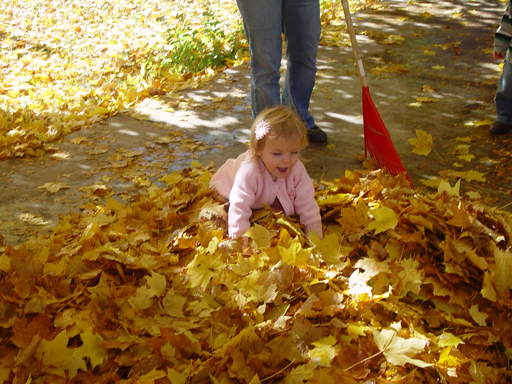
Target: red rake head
377, 141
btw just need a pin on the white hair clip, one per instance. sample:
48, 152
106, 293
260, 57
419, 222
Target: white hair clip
261, 129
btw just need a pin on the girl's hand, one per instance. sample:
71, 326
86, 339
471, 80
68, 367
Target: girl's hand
245, 242
498, 55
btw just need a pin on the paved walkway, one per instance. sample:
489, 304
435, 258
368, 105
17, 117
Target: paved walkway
437, 75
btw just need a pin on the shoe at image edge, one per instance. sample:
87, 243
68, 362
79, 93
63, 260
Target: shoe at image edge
499, 128
316, 135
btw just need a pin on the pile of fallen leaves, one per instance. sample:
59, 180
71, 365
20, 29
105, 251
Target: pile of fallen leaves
402, 288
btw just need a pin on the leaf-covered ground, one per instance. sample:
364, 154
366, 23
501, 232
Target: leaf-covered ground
68, 64
403, 288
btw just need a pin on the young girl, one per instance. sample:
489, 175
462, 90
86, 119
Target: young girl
270, 172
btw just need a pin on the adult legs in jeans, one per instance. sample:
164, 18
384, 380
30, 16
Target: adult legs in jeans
264, 20
503, 98
301, 26
503, 102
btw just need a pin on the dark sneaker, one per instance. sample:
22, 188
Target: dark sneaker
499, 128
316, 135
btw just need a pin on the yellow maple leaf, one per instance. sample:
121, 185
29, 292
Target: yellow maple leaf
301, 373
393, 39
359, 278
204, 179
428, 89
426, 99
293, 254
431, 183
33, 219
97, 189
422, 143
329, 247
397, 350
61, 155
488, 292
355, 330
353, 219
143, 298
448, 360
173, 304
91, 347
467, 158
478, 122
411, 277
55, 352
5, 372
478, 317
421, 221
157, 283
503, 272
79, 139
5, 263
255, 380
449, 339
444, 186
260, 235
325, 351
385, 218
176, 377
474, 195
199, 270
267, 293
100, 220
379, 70
338, 199
288, 224
54, 187
468, 175
461, 149
151, 377
99, 111
171, 179
71, 366
56, 269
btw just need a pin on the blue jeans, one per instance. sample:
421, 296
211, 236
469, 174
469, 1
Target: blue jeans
299, 20
503, 98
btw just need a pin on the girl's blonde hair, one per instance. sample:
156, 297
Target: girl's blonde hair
284, 124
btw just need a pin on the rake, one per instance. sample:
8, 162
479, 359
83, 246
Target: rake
377, 141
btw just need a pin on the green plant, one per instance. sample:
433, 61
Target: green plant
208, 46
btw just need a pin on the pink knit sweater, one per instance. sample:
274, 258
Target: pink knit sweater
247, 184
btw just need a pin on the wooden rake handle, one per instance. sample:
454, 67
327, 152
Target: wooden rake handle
350, 28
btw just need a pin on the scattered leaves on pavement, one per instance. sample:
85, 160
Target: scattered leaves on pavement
422, 143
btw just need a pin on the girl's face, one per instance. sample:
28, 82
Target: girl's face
280, 155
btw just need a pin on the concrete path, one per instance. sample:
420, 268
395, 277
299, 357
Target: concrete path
429, 67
